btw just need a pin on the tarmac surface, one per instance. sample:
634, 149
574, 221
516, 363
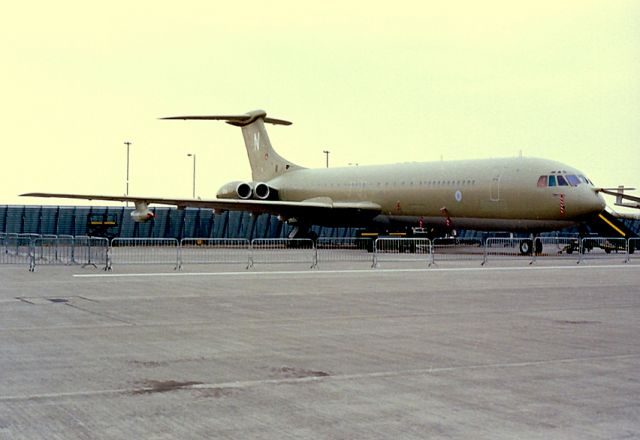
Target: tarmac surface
451, 352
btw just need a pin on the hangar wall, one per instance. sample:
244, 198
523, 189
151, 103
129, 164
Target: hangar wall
168, 223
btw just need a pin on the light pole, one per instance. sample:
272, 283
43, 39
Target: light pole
128, 144
326, 152
194, 173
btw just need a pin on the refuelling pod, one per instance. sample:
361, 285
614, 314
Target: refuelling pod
142, 213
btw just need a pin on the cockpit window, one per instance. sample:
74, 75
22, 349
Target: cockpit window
552, 180
573, 180
585, 180
562, 181
542, 181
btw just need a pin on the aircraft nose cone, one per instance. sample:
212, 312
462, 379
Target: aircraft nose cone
598, 203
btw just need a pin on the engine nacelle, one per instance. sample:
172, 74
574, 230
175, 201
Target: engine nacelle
244, 190
247, 190
263, 191
235, 190
142, 213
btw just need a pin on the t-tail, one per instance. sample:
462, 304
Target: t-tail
265, 162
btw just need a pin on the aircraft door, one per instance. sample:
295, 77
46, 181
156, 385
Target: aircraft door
495, 187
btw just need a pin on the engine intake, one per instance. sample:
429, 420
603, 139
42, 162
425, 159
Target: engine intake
262, 191
244, 191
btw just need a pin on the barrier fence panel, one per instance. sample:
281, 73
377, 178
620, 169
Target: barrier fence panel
603, 248
633, 249
344, 249
283, 250
445, 249
91, 251
508, 248
144, 251
53, 251
215, 251
554, 248
15, 249
396, 249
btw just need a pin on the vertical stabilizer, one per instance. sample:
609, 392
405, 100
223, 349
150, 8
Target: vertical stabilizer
265, 163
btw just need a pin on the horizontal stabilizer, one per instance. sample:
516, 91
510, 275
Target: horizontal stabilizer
237, 120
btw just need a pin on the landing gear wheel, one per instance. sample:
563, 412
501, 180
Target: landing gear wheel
537, 245
526, 247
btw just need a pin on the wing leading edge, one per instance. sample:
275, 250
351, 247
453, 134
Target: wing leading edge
312, 209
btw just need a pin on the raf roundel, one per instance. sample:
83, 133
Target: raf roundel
458, 196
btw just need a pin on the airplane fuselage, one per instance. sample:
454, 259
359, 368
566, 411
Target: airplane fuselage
489, 194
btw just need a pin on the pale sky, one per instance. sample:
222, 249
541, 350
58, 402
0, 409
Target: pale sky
402, 82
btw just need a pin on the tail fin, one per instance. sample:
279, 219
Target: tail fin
265, 162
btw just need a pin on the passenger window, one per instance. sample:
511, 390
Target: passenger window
552, 180
542, 181
562, 181
573, 180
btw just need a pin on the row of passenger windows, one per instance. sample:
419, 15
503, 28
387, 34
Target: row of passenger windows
431, 183
563, 180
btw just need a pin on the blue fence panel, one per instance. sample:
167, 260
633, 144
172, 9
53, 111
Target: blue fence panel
31, 223
3, 218
191, 217
14, 219
49, 220
220, 223
81, 217
66, 220
176, 223
234, 223
204, 223
273, 230
126, 224
160, 223
261, 226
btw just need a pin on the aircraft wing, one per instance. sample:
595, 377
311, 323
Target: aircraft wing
309, 209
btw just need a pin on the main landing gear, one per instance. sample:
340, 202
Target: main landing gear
302, 231
527, 246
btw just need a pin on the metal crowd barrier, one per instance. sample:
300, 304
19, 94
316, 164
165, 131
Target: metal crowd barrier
556, 248
345, 249
144, 251
52, 251
66, 250
507, 248
633, 249
283, 250
15, 249
402, 250
215, 251
604, 248
453, 249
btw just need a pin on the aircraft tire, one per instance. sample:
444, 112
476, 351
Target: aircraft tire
537, 244
526, 247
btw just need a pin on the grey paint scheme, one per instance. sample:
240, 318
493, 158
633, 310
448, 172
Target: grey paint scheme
487, 194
